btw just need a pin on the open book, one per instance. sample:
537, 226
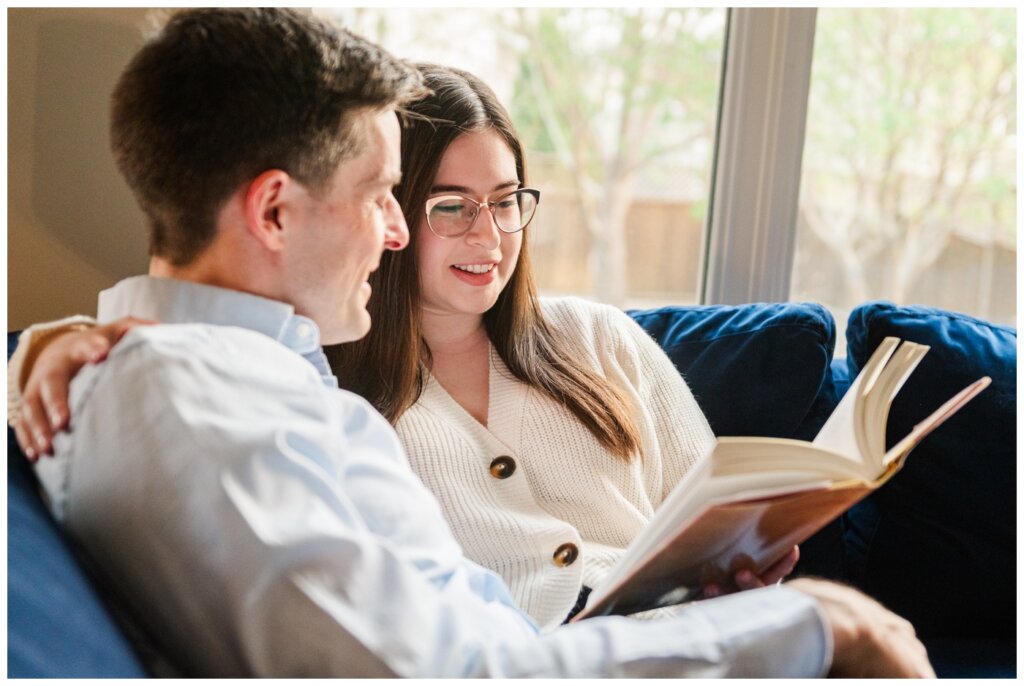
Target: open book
752, 499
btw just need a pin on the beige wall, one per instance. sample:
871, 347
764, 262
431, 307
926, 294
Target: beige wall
72, 225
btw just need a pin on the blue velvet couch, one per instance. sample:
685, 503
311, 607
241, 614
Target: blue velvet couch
937, 544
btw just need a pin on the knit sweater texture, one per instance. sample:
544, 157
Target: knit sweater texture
565, 488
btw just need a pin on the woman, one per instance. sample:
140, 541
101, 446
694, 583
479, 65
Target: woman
549, 429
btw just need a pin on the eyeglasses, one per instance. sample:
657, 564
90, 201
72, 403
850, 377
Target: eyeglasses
451, 216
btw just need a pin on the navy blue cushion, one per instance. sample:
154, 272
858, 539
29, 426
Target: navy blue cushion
56, 624
755, 370
759, 370
938, 543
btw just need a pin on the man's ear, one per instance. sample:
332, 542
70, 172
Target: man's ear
265, 201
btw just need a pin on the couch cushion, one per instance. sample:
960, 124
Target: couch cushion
57, 627
755, 370
938, 543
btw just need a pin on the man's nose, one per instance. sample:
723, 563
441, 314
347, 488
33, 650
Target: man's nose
396, 233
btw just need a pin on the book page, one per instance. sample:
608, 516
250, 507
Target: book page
879, 400
841, 433
758, 459
681, 502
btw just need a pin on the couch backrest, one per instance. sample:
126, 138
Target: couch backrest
755, 370
57, 623
938, 543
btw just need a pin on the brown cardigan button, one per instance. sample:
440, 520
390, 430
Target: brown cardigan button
566, 554
503, 467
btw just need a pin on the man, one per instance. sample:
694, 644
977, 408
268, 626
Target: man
251, 515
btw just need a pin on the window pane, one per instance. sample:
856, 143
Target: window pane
909, 183
616, 108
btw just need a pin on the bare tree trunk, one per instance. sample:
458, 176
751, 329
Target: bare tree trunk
837, 240
611, 257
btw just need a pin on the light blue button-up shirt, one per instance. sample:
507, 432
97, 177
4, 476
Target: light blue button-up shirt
257, 520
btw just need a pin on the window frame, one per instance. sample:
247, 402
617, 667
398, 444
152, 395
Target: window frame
750, 235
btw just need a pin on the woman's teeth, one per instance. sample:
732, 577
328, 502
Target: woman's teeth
474, 268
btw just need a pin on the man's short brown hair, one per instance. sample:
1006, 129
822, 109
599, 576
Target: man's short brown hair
222, 95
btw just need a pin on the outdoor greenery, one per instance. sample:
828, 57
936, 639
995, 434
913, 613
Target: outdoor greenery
910, 139
611, 92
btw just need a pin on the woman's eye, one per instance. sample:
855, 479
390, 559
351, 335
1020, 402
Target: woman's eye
449, 208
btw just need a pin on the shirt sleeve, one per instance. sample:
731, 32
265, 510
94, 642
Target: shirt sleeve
258, 532
30, 337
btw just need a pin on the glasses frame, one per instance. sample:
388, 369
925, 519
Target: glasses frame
489, 204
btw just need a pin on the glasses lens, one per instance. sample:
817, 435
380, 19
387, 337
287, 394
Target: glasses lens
451, 215
514, 211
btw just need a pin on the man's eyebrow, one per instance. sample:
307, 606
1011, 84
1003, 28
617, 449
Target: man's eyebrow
384, 179
463, 189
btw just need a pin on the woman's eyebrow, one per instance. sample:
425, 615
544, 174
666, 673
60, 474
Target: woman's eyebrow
445, 188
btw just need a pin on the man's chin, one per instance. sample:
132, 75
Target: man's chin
348, 331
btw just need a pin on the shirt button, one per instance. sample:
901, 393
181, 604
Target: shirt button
503, 467
304, 331
566, 554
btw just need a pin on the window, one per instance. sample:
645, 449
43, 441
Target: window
909, 170
617, 111
908, 182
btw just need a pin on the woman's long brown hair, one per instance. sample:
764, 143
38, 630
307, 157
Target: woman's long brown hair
388, 367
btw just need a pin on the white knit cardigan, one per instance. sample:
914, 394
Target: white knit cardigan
565, 488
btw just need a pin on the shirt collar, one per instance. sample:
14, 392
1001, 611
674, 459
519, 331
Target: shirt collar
171, 301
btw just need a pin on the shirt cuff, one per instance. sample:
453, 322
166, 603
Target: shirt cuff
771, 632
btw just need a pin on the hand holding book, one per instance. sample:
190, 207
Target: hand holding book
746, 580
